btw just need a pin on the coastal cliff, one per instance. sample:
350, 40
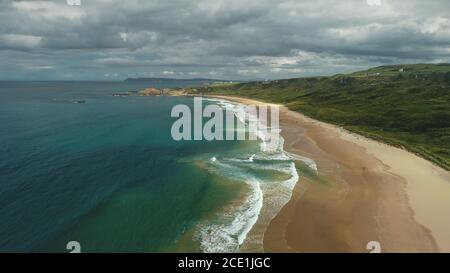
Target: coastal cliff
150, 92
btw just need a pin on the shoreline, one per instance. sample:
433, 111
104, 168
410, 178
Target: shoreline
272, 196
372, 192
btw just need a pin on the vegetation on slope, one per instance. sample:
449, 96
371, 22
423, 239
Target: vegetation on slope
403, 105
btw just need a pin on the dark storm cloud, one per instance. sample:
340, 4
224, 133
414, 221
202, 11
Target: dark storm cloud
217, 38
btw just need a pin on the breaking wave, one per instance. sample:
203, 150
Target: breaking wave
270, 176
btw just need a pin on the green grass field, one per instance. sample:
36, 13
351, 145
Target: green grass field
403, 105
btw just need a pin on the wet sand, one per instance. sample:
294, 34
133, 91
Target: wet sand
366, 191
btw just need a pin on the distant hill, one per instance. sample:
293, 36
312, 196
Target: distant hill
404, 105
411, 69
173, 80
170, 79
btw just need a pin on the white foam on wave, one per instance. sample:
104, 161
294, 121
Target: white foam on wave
228, 236
271, 140
265, 199
249, 160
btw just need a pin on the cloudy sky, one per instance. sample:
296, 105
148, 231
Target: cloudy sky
222, 39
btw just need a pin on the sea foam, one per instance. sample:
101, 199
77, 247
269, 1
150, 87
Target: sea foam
263, 200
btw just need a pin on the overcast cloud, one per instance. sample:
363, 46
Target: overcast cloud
224, 39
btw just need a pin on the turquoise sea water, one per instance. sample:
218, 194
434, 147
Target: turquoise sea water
106, 173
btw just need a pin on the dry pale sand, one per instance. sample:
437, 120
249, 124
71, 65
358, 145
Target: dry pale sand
367, 191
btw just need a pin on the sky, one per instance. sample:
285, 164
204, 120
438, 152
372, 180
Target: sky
219, 39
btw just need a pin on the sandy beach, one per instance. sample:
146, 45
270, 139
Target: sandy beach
365, 191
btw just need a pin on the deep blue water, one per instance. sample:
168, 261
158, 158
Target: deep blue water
104, 172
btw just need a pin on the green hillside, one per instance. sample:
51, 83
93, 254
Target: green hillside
404, 105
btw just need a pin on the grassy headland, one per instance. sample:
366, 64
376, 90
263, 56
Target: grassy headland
403, 105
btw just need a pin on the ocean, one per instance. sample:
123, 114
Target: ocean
79, 164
